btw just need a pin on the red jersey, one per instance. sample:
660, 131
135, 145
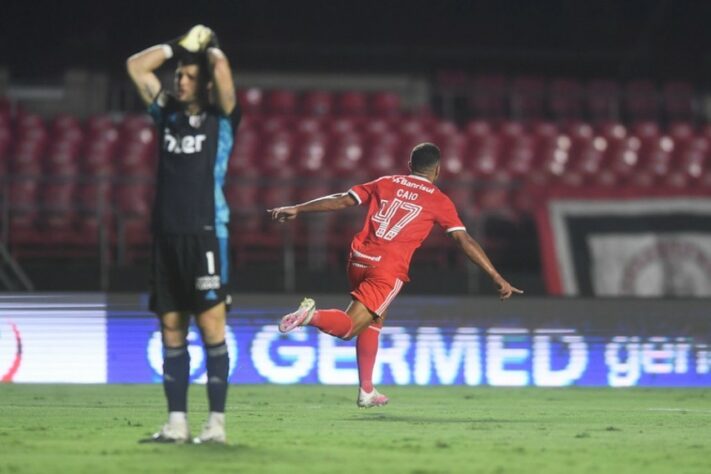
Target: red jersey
401, 213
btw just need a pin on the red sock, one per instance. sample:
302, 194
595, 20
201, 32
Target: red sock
366, 350
332, 321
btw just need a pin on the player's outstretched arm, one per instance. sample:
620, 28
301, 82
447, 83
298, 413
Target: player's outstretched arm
141, 67
222, 80
476, 254
333, 202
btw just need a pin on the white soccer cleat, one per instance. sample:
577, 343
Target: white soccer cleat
172, 432
372, 399
213, 431
300, 317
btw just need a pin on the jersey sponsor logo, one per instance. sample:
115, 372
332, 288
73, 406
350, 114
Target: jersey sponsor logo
410, 184
209, 282
367, 257
183, 145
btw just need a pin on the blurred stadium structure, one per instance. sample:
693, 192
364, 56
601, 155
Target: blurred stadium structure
77, 157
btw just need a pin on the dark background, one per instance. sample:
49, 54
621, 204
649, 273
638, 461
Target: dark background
657, 39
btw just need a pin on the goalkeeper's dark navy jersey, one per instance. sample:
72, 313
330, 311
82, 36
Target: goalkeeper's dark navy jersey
194, 151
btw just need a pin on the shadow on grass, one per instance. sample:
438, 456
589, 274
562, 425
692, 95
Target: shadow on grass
425, 419
202, 447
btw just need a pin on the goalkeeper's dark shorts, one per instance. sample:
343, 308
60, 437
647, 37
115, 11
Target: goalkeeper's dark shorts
189, 273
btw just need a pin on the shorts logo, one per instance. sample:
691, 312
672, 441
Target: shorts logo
210, 282
211, 295
10, 351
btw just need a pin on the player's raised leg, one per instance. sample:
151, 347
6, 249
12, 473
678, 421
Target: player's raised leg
342, 324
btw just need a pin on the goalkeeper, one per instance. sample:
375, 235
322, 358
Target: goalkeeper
196, 123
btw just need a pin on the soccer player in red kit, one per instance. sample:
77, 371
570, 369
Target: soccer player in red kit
401, 212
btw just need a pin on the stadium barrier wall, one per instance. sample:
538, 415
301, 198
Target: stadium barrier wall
97, 338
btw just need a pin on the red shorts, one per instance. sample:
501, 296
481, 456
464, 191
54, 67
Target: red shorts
376, 290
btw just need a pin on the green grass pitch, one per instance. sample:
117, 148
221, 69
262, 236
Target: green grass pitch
318, 429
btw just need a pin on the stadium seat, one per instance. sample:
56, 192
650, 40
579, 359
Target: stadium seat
622, 160
245, 151
277, 150
343, 125
384, 104
282, 102
251, 101
457, 176
382, 159
526, 98
565, 99
346, 156
655, 162
641, 101
310, 156
351, 103
603, 100
316, 103
692, 160
309, 125
487, 97
679, 101
485, 156
520, 156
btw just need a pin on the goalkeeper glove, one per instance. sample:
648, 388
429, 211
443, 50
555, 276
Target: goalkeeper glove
194, 41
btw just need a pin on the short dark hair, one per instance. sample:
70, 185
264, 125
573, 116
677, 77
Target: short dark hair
424, 157
198, 59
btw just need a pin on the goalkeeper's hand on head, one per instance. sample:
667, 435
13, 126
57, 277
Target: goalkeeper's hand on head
196, 40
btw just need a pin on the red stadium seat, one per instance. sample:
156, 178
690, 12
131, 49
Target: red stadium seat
310, 156
679, 101
603, 100
641, 101
485, 157
476, 130
63, 159
681, 132
623, 158
552, 161
276, 123
251, 100
565, 99
612, 130
277, 153
520, 156
95, 196
317, 103
526, 95
347, 155
487, 97
24, 195
281, 102
310, 125
692, 160
351, 103
376, 127
343, 125
655, 165
385, 104
245, 151
382, 159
